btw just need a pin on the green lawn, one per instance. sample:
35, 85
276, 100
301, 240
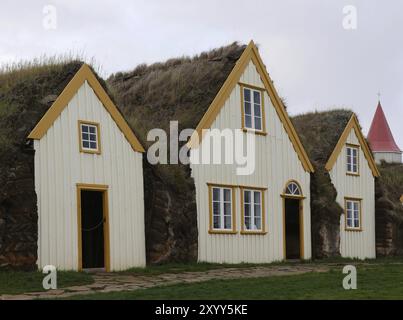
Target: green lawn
374, 282
16, 282
380, 274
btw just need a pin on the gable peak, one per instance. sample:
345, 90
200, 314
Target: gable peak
380, 136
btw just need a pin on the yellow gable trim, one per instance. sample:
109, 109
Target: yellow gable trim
353, 124
82, 75
250, 53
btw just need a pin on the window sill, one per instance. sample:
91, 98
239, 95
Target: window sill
90, 151
260, 133
353, 230
352, 174
222, 232
261, 233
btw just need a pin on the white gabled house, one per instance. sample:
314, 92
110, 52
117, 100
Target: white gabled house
88, 181
353, 170
264, 216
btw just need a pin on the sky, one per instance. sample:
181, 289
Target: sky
320, 54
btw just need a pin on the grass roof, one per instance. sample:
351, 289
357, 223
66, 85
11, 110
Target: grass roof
320, 132
27, 90
179, 89
26, 93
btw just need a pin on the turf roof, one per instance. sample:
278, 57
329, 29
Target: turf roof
320, 131
25, 96
179, 89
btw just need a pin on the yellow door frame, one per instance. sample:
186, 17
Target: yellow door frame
301, 225
300, 199
105, 209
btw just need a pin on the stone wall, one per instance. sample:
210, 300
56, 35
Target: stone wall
325, 216
170, 216
18, 210
389, 224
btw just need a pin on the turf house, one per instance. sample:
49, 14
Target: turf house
261, 217
343, 185
71, 191
67, 149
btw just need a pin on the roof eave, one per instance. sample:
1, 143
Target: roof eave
353, 124
84, 74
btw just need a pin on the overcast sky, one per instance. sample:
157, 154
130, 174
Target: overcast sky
314, 61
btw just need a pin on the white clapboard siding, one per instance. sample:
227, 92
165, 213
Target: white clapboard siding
356, 244
276, 163
59, 166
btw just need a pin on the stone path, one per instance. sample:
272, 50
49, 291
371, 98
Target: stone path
114, 282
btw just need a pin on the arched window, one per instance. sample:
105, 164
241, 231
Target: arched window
293, 189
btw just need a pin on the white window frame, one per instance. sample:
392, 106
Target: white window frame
351, 160
293, 189
97, 140
353, 214
252, 210
222, 214
252, 105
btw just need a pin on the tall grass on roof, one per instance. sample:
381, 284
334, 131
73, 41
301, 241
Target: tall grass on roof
14, 71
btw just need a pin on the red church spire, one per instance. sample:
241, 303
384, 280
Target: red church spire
380, 137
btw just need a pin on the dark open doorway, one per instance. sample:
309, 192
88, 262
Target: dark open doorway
92, 229
292, 228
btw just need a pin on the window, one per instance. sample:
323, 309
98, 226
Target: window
293, 189
353, 214
253, 211
253, 109
221, 210
352, 159
89, 137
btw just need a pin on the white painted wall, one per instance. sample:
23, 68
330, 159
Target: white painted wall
356, 244
276, 163
390, 157
59, 166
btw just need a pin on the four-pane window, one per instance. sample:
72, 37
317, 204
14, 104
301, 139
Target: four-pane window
253, 111
353, 215
352, 160
252, 206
